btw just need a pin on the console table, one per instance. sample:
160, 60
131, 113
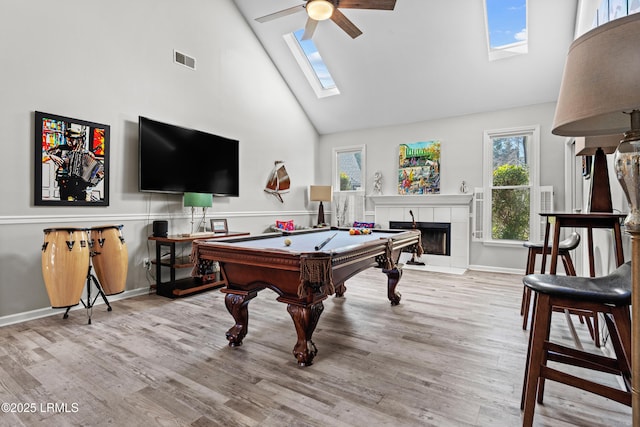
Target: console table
181, 287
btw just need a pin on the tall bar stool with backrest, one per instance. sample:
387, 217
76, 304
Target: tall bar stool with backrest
610, 295
535, 249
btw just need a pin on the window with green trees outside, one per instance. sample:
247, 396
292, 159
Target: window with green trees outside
511, 189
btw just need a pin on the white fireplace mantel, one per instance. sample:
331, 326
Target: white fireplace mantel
423, 200
448, 208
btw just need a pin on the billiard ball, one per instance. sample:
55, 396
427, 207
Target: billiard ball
287, 242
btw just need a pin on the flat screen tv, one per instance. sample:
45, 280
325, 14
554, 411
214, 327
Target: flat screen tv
174, 159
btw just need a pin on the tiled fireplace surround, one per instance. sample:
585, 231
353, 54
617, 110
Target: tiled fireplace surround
454, 209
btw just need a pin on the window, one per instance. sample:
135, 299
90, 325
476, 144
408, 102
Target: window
507, 207
348, 168
506, 25
348, 185
310, 62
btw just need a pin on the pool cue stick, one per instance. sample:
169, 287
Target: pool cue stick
321, 245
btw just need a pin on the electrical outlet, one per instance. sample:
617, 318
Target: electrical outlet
146, 263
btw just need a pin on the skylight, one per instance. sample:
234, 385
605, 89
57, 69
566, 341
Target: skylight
506, 24
311, 63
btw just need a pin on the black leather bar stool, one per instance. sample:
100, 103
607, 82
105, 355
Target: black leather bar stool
535, 249
610, 295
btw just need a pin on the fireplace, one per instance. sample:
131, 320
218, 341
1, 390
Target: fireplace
451, 209
436, 236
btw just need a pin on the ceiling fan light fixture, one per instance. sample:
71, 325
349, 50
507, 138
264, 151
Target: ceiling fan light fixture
320, 10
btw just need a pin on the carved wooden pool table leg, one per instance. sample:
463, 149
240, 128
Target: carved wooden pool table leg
305, 319
393, 277
237, 305
340, 290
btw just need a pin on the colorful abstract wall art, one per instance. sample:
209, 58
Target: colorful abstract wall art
419, 168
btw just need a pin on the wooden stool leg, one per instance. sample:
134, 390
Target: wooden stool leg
526, 292
526, 365
591, 321
568, 265
526, 302
539, 334
619, 325
543, 350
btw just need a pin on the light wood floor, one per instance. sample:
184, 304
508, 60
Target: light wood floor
451, 354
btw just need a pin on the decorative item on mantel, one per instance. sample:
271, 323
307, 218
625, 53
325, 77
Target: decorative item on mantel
377, 184
602, 97
419, 168
463, 187
278, 182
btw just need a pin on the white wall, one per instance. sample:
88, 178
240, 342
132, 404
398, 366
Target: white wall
461, 139
110, 62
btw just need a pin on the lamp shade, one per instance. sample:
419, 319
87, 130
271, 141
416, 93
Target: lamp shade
198, 200
320, 9
600, 81
320, 193
587, 145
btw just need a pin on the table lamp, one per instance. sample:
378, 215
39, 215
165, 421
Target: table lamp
198, 200
599, 147
320, 193
600, 95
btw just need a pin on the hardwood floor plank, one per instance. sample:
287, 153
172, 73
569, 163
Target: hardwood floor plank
451, 354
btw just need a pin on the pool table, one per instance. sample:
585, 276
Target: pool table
300, 274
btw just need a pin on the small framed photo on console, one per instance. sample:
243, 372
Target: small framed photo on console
219, 226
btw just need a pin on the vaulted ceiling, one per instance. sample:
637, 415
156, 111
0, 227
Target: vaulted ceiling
426, 59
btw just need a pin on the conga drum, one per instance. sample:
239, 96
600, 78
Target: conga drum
111, 258
65, 264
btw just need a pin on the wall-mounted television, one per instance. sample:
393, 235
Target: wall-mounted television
174, 159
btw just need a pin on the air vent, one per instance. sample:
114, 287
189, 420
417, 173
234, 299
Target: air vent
183, 59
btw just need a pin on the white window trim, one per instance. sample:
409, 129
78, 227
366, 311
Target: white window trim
334, 167
509, 50
307, 69
534, 176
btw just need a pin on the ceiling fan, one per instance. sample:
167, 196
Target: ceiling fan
320, 10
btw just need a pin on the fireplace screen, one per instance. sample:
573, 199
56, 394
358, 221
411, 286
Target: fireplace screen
436, 236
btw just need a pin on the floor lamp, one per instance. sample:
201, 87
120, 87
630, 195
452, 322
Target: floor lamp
600, 95
198, 200
320, 193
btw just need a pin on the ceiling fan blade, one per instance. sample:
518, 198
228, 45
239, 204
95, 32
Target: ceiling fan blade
309, 29
344, 23
367, 4
280, 14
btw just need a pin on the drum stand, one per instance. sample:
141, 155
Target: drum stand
89, 304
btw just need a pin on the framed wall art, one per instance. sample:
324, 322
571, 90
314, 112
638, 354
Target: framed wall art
71, 161
419, 168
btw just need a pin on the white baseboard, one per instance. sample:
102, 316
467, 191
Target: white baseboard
491, 269
44, 312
